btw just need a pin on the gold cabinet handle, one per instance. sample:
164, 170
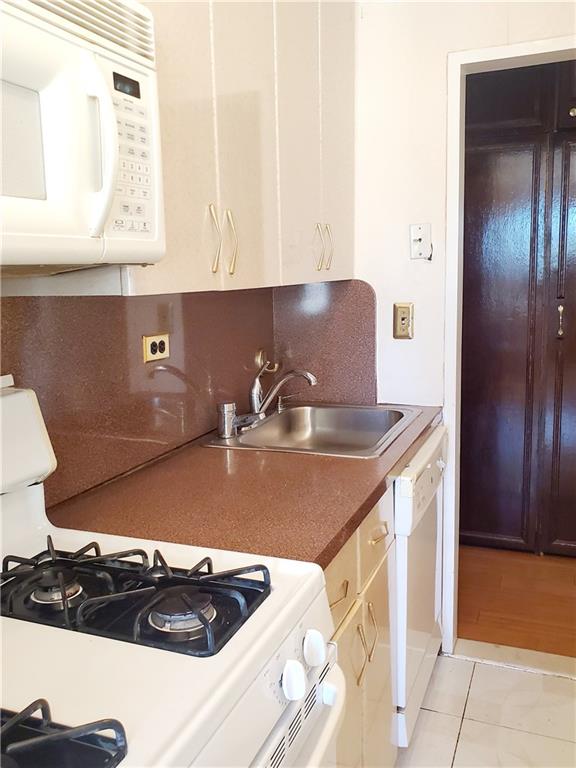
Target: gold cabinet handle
362, 634
560, 333
376, 635
214, 216
321, 259
232, 265
345, 586
380, 538
572, 111
331, 242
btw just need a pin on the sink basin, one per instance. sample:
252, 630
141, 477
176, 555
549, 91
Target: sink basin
329, 430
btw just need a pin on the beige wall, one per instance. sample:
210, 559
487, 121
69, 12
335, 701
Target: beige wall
401, 161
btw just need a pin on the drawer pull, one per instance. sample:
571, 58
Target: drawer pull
362, 634
323, 253
214, 216
345, 585
233, 260
382, 536
331, 241
376, 635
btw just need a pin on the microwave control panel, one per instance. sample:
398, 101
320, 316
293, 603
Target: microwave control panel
133, 205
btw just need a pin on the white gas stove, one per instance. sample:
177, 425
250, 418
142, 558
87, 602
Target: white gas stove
192, 657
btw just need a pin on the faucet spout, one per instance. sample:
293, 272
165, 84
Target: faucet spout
306, 375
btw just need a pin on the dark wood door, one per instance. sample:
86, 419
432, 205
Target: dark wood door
518, 433
557, 526
504, 218
566, 95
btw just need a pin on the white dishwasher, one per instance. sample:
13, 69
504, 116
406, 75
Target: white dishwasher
416, 614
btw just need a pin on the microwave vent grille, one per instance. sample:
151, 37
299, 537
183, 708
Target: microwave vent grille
111, 20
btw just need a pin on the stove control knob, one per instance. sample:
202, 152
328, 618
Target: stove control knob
314, 648
293, 680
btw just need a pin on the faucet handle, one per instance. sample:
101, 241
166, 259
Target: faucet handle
227, 420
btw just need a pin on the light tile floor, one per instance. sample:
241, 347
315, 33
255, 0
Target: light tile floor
491, 715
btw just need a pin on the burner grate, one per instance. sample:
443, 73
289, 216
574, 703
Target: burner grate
29, 741
119, 595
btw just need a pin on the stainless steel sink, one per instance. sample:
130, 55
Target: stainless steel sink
329, 430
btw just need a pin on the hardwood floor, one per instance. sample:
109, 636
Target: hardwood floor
518, 599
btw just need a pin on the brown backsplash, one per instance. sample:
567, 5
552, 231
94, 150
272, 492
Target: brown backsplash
108, 412
329, 329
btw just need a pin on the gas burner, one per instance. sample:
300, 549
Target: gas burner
126, 596
183, 612
53, 584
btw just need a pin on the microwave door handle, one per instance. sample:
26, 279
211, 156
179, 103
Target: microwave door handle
108, 151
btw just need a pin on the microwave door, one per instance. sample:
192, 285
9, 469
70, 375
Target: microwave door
58, 147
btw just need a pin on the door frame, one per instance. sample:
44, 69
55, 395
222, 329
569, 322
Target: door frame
459, 65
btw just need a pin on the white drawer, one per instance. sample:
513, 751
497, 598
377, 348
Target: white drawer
375, 535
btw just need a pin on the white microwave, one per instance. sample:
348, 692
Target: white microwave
81, 179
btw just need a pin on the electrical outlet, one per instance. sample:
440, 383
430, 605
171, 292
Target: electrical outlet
156, 347
404, 320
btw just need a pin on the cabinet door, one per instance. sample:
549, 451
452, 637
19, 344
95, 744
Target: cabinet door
566, 101
337, 34
352, 659
246, 142
378, 710
299, 121
188, 153
342, 580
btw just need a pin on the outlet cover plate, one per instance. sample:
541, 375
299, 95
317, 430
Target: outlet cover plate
421, 241
404, 320
156, 347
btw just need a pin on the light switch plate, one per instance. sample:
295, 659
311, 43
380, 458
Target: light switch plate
404, 320
156, 347
421, 241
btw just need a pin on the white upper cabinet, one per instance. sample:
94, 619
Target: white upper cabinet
315, 49
218, 116
300, 171
246, 143
337, 55
188, 153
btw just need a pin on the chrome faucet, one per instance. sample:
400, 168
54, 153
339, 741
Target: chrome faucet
229, 423
261, 405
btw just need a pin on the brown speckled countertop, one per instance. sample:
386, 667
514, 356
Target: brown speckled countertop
291, 505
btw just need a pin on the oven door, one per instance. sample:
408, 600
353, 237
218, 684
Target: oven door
319, 749
59, 148
306, 735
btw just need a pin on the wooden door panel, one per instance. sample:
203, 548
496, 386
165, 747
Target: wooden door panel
518, 447
512, 99
558, 526
566, 100
503, 214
